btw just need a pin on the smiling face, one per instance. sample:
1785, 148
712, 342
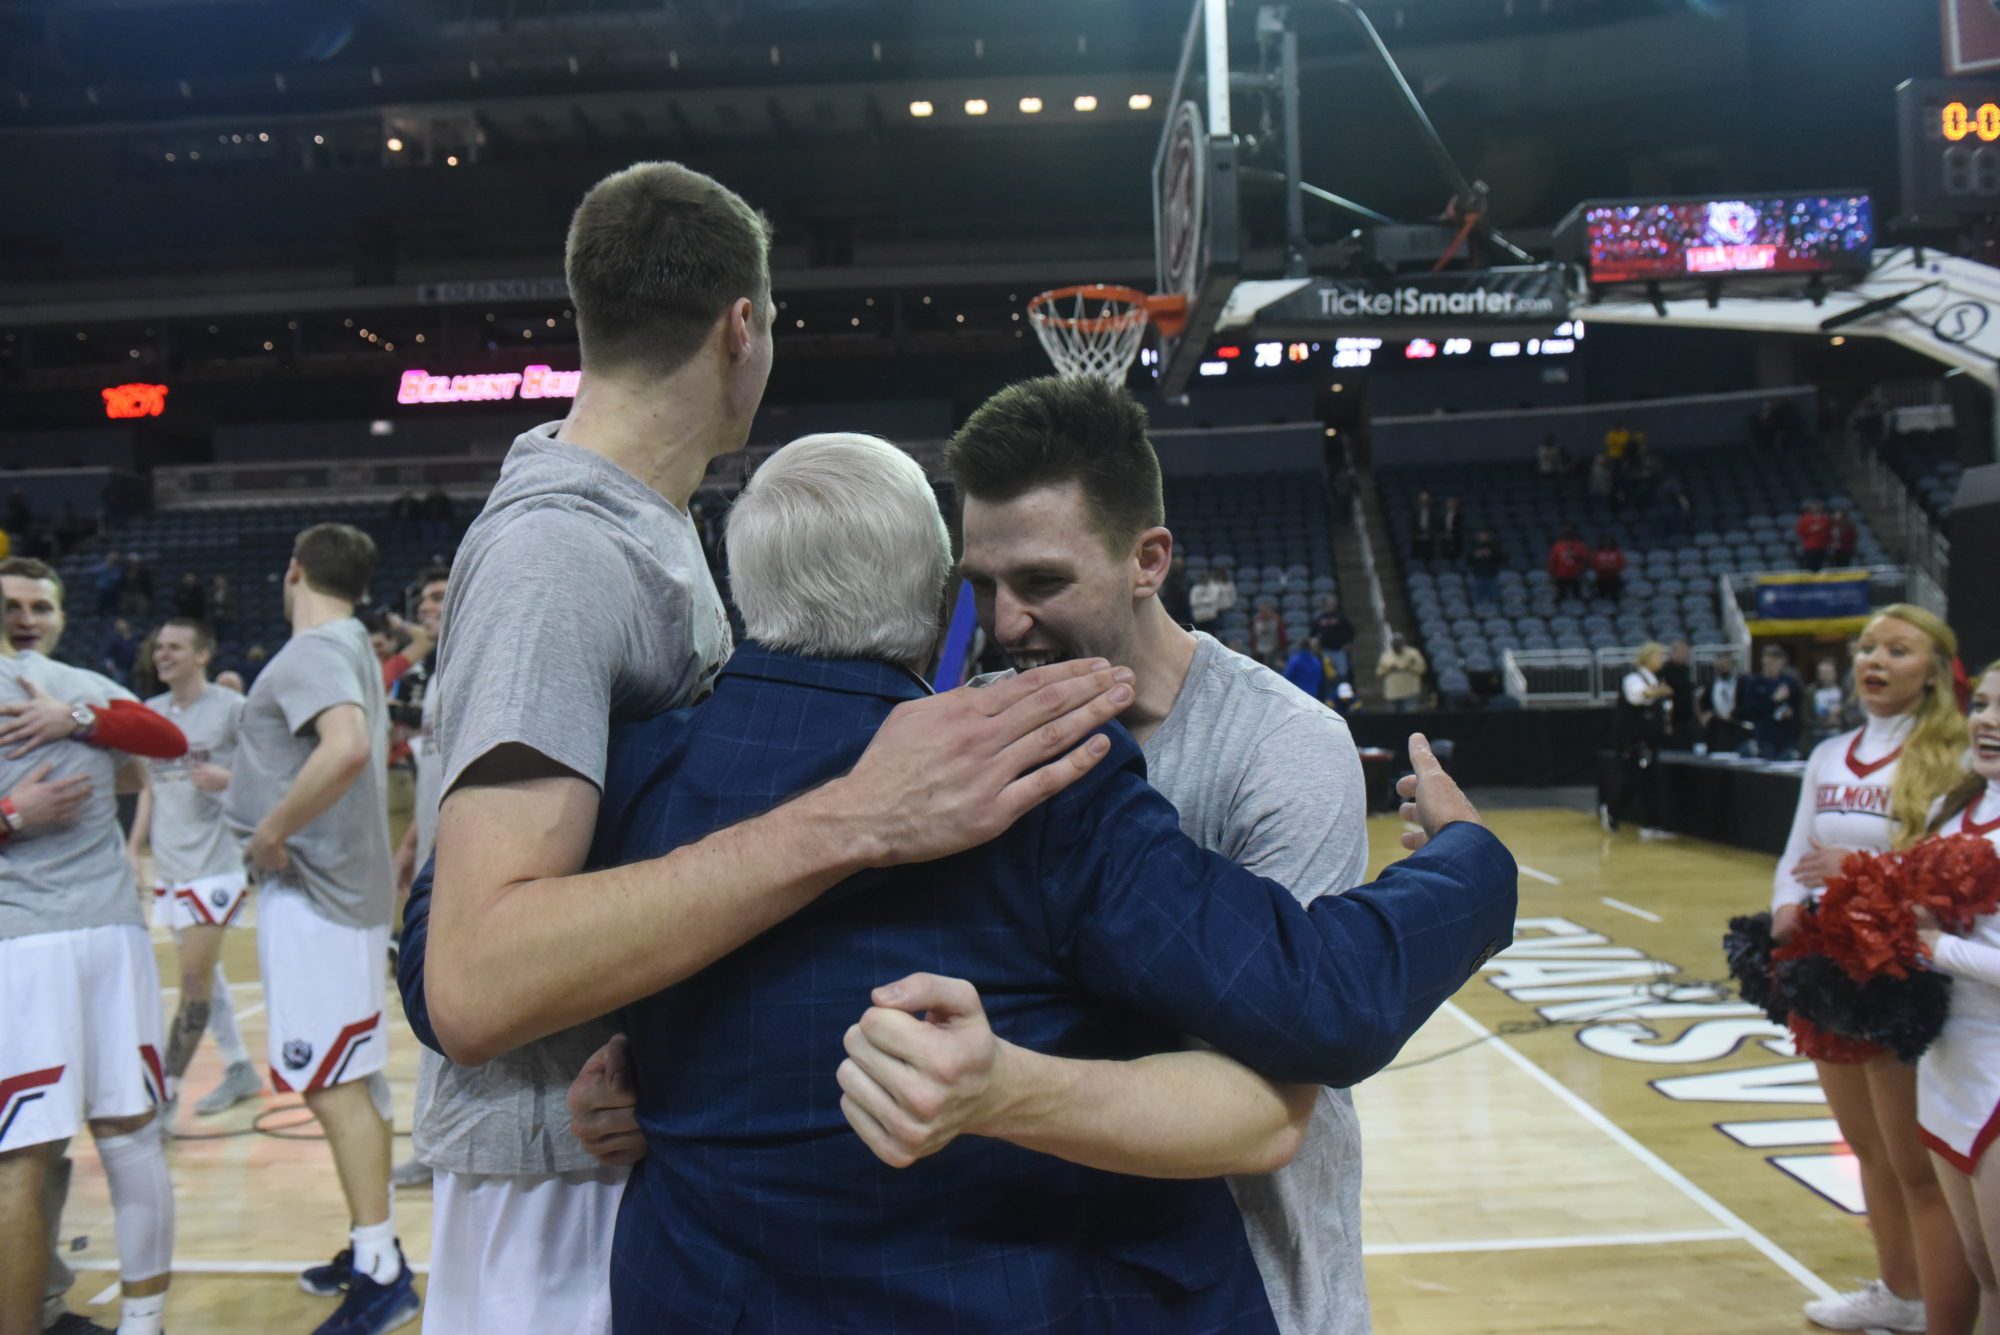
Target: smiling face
1985, 723
178, 655
1046, 585
34, 614
1893, 664
430, 607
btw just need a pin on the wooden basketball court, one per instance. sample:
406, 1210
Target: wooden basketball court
1586, 1139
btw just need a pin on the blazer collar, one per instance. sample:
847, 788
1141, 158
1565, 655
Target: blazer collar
849, 676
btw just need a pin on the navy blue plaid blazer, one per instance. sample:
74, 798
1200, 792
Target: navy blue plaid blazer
1094, 928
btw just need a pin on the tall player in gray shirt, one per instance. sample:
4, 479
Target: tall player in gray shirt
198, 875
579, 596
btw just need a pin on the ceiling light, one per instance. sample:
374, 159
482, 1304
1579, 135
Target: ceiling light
1085, 102
1030, 105
388, 347
1839, 340
451, 161
959, 318
364, 333
235, 138
133, 353
420, 338
319, 139
170, 157
395, 144
800, 323
975, 106
349, 322
551, 322
263, 138
1140, 101
921, 109
267, 345
854, 320
194, 155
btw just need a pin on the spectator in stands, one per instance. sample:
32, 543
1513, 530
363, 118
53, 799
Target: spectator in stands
110, 580
1482, 565
1569, 557
1676, 508
1829, 699
406, 510
1771, 426
1174, 591
1340, 492
1607, 564
1678, 673
221, 605
190, 599
232, 680
135, 596
145, 682
398, 645
1718, 707
437, 516
1551, 460
1267, 632
1815, 535
1424, 528
1451, 530
1401, 671
1225, 592
120, 648
19, 521
1843, 536
1604, 488
1647, 473
1774, 700
1335, 633
70, 529
1204, 600
1305, 670
254, 659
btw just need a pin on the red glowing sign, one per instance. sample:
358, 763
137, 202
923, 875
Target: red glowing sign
135, 400
533, 382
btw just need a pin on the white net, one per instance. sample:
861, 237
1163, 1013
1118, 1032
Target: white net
1093, 331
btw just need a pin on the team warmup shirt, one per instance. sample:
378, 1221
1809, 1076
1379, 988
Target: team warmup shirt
1958, 1077
189, 837
1843, 800
76, 875
580, 596
341, 858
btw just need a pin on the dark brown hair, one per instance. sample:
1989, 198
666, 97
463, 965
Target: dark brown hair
29, 568
656, 254
338, 560
204, 638
1059, 429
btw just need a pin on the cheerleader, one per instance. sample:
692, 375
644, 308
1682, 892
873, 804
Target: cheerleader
1874, 789
1958, 1079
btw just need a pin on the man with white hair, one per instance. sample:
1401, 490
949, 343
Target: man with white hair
1094, 927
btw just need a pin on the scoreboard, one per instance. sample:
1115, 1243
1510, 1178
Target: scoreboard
1949, 140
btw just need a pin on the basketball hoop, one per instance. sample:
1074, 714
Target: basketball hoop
1095, 329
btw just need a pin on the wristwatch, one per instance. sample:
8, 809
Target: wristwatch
11, 819
86, 722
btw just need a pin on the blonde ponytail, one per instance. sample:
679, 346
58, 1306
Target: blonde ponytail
1933, 761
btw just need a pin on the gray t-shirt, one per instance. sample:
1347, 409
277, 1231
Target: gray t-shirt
340, 859
580, 596
1269, 778
189, 837
76, 875
429, 786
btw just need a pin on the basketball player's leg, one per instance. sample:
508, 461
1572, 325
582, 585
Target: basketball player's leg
1846, 1089
59, 1278
1959, 1195
200, 950
1951, 1295
24, 1252
360, 1138
142, 1204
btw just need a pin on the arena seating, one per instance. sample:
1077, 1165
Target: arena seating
1928, 464
1270, 530
250, 546
1745, 504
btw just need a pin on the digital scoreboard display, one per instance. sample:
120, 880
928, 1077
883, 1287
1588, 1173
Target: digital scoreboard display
1949, 133
1674, 240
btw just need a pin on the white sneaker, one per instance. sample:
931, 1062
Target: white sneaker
1872, 1306
1654, 834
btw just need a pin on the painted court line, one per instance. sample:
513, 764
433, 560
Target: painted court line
1541, 876
1715, 1209
220, 1268
1540, 1244
1623, 907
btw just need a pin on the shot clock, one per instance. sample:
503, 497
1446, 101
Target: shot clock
1949, 132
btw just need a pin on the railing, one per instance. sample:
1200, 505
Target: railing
1581, 676
1378, 604
1912, 533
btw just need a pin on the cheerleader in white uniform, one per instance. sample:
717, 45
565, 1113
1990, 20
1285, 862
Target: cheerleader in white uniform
1958, 1080
1874, 789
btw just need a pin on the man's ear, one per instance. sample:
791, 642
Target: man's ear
1153, 557
739, 328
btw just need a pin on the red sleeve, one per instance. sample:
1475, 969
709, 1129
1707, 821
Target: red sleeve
393, 667
128, 726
